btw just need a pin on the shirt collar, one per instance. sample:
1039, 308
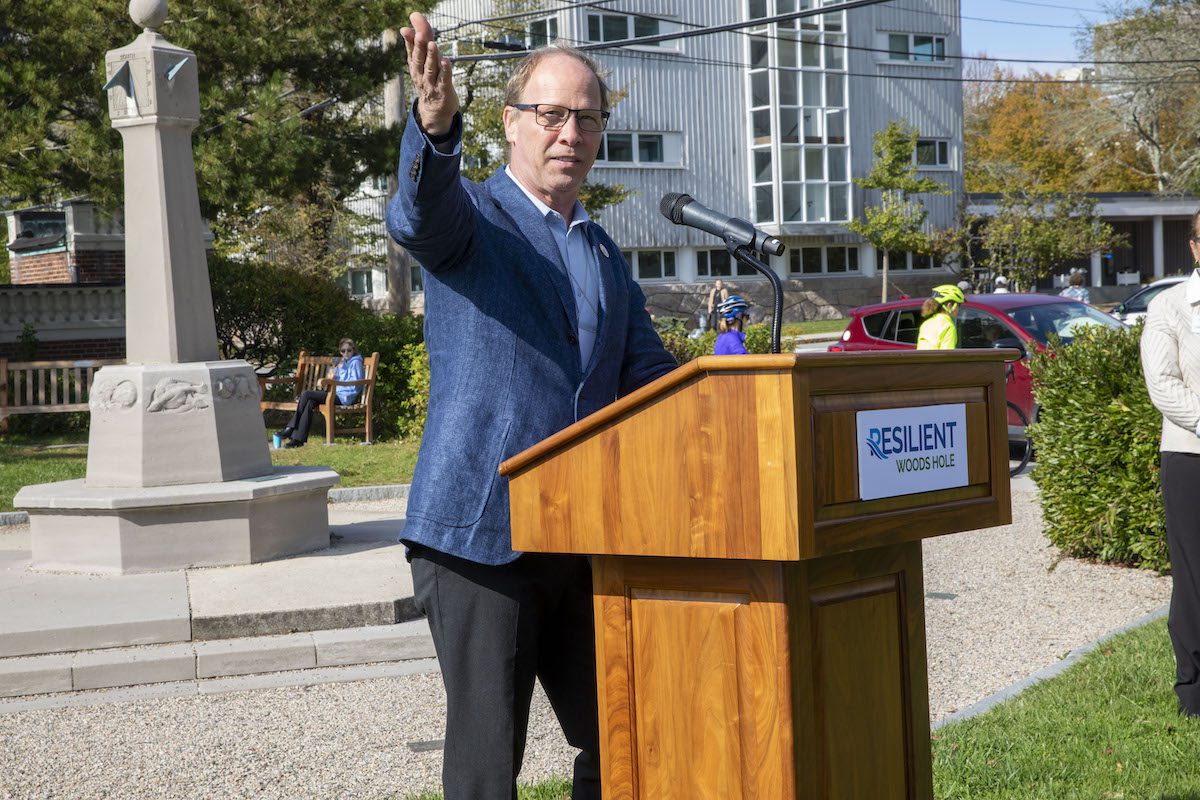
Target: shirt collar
578, 214
1192, 292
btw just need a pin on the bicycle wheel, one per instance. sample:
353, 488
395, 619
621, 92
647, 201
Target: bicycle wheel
1019, 446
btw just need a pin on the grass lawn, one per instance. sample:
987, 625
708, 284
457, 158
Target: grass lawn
1106, 729
26, 460
813, 326
556, 789
39, 459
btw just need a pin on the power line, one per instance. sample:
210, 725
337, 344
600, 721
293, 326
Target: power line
702, 30
1055, 6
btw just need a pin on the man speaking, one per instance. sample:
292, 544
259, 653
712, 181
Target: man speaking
533, 321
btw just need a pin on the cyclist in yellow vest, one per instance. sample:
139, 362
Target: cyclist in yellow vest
938, 331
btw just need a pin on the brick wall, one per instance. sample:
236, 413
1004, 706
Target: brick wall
70, 350
100, 266
41, 268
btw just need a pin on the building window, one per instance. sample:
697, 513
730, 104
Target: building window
541, 32
653, 265
618, 147
915, 47
713, 264
907, 261
932, 153
361, 282
719, 264
615, 27
798, 116
823, 260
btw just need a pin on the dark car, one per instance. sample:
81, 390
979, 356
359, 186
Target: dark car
1023, 321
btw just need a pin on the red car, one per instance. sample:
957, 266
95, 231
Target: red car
1025, 321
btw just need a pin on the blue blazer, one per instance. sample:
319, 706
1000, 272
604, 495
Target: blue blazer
501, 332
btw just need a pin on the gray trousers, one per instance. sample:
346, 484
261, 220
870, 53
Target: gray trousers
495, 629
1181, 497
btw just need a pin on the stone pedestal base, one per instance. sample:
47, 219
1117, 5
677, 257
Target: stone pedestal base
172, 424
77, 528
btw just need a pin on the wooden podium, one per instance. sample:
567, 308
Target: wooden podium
760, 626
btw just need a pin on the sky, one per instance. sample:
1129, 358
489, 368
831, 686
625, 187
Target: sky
1026, 31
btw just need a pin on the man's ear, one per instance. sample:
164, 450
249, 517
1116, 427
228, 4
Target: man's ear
511, 116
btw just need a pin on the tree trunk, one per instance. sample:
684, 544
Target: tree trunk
883, 288
399, 267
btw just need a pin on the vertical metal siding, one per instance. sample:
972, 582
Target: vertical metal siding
705, 102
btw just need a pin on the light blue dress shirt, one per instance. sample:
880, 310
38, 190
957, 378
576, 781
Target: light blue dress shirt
582, 267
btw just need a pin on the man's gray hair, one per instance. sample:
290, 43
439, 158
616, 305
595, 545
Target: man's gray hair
524, 71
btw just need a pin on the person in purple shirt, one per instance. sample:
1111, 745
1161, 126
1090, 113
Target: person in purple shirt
731, 341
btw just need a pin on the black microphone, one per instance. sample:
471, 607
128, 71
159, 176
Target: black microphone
682, 209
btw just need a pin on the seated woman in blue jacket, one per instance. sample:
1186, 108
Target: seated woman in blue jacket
348, 367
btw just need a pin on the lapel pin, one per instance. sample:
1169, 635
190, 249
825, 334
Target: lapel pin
604, 250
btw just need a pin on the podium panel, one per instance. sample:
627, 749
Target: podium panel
694, 679
735, 679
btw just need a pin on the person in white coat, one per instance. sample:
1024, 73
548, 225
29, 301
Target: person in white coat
1171, 364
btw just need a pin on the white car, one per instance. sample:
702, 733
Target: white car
1134, 307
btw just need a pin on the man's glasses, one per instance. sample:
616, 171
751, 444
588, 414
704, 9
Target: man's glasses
553, 117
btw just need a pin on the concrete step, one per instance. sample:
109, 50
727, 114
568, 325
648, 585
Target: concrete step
208, 660
362, 580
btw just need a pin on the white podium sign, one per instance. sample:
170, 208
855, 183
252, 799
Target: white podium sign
911, 450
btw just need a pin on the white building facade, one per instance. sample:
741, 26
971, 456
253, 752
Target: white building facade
770, 123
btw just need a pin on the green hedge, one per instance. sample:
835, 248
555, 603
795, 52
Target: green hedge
267, 314
675, 338
1096, 441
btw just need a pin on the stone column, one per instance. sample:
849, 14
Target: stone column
174, 414
178, 470
1156, 238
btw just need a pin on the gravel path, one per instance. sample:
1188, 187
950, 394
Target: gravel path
1016, 609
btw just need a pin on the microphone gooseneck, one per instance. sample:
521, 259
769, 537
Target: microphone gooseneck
741, 238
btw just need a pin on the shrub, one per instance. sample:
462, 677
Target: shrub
1097, 439
675, 338
266, 313
393, 336
416, 396
27, 344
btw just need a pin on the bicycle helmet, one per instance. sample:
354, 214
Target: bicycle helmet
733, 307
948, 293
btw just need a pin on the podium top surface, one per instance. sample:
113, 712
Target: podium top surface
747, 363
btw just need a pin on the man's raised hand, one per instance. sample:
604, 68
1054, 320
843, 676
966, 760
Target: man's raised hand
437, 102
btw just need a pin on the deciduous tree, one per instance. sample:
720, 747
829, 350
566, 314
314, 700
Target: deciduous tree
1153, 94
1031, 234
1032, 134
895, 224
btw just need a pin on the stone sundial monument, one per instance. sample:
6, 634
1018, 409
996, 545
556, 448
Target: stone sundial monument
178, 470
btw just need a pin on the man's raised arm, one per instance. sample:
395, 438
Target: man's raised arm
432, 77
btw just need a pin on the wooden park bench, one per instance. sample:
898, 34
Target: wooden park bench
311, 375
45, 387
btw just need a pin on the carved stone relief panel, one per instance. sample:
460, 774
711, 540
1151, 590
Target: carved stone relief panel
118, 395
172, 395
